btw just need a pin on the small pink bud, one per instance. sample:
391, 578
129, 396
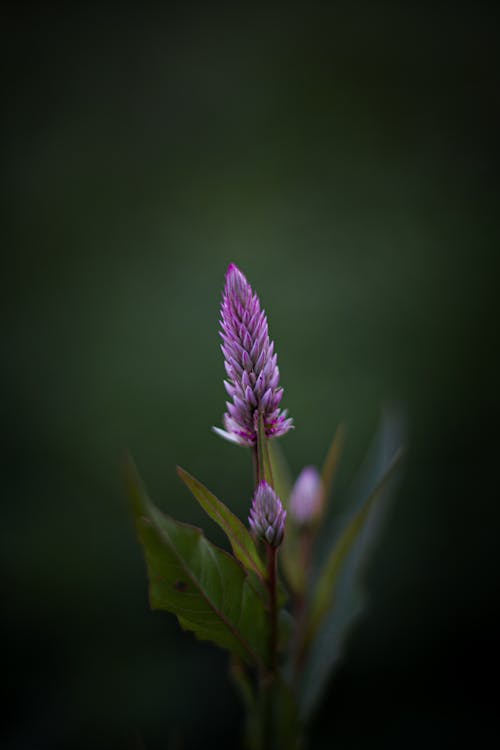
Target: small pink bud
307, 496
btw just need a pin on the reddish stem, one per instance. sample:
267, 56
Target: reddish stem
272, 575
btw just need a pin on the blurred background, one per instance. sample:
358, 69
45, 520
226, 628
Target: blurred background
344, 156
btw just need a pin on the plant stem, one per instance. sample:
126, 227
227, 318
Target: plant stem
268, 682
262, 453
263, 472
256, 465
272, 572
269, 466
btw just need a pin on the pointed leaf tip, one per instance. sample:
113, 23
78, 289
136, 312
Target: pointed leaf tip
330, 466
242, 544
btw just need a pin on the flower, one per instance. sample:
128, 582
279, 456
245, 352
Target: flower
251, 366
267, 515
306, 498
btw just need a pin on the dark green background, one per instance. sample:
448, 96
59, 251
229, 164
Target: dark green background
345, 157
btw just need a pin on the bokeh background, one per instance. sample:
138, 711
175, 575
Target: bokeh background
344, 155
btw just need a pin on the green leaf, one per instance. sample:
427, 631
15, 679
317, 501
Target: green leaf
205, 587
281, 471
290, 557
290, 549
242, 543
325, 588
331, 464
286, 629
346, 595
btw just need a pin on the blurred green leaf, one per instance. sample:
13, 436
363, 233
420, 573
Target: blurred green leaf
286, 628
282, 475
339, 598
325, 588
242, 543
290, 549
290, 557
330, 465
204, 586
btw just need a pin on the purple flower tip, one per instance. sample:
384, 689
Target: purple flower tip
251, 365
306, 499
267, 515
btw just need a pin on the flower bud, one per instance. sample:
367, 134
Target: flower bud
267, 515
306, 498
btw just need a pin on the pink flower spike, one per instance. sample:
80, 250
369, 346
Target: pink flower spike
251, 365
